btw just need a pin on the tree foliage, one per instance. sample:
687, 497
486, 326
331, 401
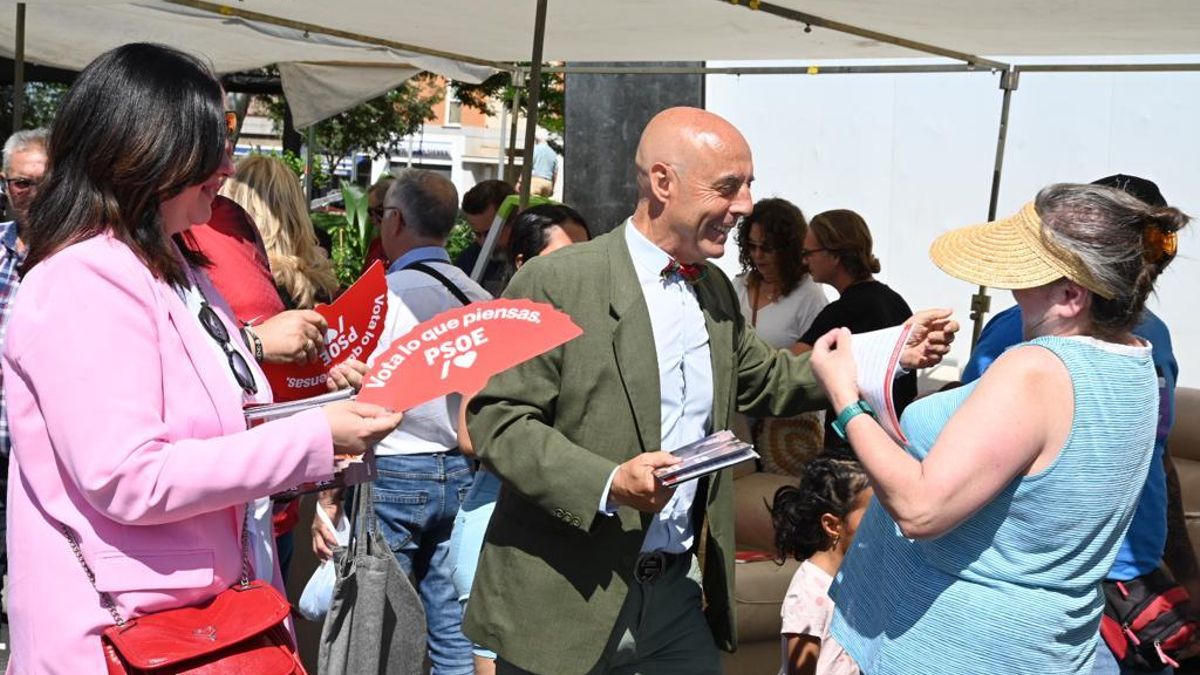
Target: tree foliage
498, 89
376, 127
41, 104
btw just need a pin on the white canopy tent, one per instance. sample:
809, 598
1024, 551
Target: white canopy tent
470, 39
322, 74
694, 30
334, 55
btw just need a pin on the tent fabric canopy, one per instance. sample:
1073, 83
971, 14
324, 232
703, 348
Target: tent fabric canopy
334, 73
324, 75
703, 30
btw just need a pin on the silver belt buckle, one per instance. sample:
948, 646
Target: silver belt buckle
650, 567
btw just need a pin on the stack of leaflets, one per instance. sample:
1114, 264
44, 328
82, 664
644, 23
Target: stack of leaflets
877, 356
347, 469
707, 455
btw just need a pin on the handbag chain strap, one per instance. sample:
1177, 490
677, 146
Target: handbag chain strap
106, 600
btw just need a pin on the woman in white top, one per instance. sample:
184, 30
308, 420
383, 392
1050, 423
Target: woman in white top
779, 298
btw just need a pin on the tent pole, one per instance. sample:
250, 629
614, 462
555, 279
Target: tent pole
534, 84
822, 69
310, 150
503, 141
227, 11
981, 302
19, 71
811, 20
518, 81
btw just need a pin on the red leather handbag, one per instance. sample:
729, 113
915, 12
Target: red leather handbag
241, 631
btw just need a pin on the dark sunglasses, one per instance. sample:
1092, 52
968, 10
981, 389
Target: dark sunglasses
765, 248
805, 252
20, 184
237, 363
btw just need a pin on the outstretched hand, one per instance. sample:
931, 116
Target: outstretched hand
932, 333
833, 364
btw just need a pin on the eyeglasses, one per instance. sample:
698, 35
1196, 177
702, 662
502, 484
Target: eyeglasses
237, 363
805, 252
752, 247
20, 184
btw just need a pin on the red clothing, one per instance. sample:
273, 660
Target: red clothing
375, 252
242, 275
240, 270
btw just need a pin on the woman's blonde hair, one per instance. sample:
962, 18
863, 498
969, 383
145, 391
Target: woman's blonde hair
271, 194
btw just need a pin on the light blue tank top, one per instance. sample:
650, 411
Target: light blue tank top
1015, 588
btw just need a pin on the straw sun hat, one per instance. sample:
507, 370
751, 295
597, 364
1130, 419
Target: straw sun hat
1012, 253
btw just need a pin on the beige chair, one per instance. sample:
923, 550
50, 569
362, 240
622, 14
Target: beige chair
761, 585
1184, 446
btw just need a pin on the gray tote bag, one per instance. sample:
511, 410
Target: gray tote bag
376, 623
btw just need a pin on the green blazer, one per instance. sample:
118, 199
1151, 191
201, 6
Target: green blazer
554, 571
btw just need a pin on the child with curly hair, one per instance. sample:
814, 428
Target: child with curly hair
815, 523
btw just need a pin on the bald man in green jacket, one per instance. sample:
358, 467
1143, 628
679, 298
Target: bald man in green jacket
590, 565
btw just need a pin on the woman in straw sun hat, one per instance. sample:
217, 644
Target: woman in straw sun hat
984, 549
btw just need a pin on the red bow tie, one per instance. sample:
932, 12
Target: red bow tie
690, 273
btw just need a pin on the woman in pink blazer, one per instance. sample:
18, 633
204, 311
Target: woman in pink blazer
124, 401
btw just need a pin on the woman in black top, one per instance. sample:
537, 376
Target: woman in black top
837, 250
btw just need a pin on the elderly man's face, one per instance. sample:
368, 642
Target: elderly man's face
22, 179
713, 194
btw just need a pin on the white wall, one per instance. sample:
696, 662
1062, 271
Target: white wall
913, 154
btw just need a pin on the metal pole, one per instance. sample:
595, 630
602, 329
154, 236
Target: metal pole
820, 69
981, 302
228, 10
19, 71
311, 149
534, 85
503, 141
811, 20
518, 81
814, 69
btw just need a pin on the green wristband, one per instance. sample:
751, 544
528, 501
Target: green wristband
848, 413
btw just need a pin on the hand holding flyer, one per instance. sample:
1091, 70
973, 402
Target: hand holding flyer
347, 469
355, 323
707, 455
877, 357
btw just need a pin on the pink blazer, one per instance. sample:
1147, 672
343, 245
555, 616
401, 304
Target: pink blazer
127, 428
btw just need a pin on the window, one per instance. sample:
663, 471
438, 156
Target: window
453, 108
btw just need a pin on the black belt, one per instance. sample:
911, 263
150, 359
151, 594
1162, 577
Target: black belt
651, 565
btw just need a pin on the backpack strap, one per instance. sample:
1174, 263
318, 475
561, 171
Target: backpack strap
421, 266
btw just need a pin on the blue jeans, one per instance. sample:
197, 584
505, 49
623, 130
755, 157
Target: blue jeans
1106, 664
467, 540
416, 500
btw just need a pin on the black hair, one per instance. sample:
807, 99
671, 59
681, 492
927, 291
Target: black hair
141, 123
485, 194
783, 227
528, 236
831, 483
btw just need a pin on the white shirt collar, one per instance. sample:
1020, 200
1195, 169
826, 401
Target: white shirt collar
648, 259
